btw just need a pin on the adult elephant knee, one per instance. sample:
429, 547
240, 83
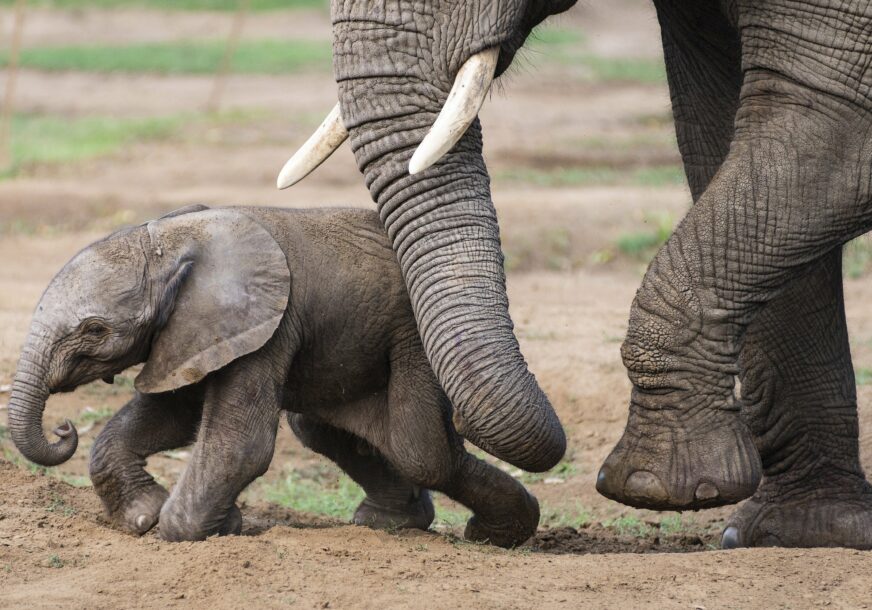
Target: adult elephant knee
395, 69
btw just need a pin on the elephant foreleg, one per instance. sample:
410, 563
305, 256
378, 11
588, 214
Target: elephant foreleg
792, 188
146, 425
797, 387
235, 444
391, 500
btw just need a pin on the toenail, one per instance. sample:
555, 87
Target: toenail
730, 538
706, 491
646, 486
141, 522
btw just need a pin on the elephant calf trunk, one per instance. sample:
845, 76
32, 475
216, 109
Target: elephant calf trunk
26, 406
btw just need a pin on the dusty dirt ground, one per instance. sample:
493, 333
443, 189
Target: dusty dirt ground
570, 293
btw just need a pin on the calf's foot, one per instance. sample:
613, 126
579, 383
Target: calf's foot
515, 526
417, 513
131, 502
662, 465
823, 511
177, 525
141, 512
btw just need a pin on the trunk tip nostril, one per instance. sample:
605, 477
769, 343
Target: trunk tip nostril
65, 430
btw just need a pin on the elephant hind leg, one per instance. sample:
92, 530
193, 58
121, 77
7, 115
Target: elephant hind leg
146, 425
801, 405
430, 453
828, 509
504, 513
424, 446
391, 502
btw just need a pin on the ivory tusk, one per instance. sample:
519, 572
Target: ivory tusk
327, 138
471, 85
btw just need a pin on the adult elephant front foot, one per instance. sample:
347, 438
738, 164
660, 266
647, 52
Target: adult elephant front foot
826, 511
416, 514
682, 467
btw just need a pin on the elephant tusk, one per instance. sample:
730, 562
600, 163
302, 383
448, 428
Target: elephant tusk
471, 85
327, 138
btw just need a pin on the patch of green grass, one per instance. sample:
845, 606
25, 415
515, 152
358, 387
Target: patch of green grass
251, 57
94, 416
863, 376
564, 470
58, 505
75, 480
122, 384
16, 458
620, 69
629, 525
55, 562
46, 139
556, 37
12, 456
662, 139
565, 515
183, 5
641, 245
326, 490
446, 516
674, 524
656, 176
320, 494
569, 47
857, 257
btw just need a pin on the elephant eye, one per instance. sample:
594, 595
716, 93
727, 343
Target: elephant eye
94, 328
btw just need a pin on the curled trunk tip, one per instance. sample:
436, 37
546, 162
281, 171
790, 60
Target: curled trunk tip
26, 406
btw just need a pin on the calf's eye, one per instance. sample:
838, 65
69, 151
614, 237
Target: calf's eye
95, 329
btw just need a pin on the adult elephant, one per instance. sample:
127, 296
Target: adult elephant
772, 103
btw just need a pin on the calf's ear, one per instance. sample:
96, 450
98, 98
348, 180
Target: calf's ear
223, 284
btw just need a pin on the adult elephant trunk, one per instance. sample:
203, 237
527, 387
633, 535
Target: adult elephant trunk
443, 227
26, 404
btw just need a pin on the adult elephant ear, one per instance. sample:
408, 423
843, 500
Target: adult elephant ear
221, 284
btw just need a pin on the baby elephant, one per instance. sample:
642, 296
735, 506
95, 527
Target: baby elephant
240, 314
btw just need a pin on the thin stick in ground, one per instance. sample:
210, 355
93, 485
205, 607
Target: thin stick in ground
229, 51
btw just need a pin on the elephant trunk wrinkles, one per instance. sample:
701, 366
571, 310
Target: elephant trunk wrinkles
443, 227
26, 405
